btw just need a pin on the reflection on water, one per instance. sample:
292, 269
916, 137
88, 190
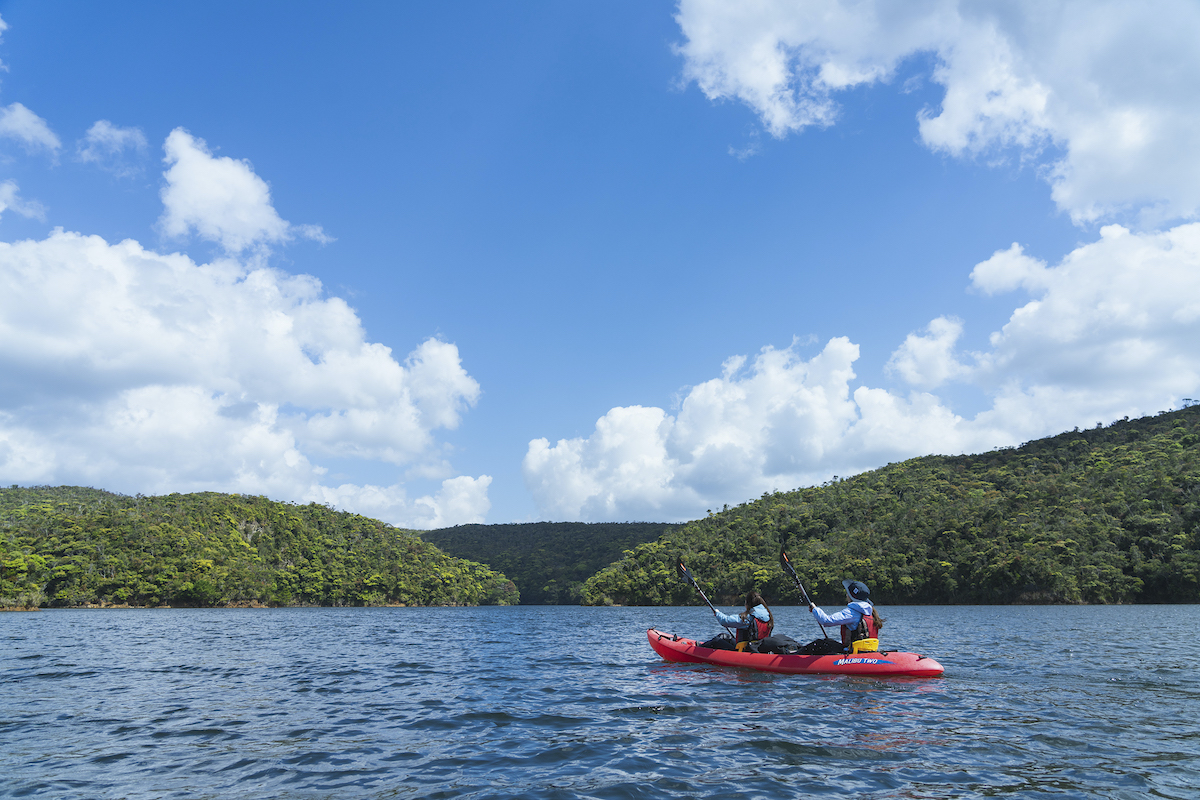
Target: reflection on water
571, 702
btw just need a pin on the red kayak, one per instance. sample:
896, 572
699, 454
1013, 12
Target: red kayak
880, 664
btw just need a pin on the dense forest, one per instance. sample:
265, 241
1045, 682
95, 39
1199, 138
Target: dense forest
70, 546
548, 561
1107, 515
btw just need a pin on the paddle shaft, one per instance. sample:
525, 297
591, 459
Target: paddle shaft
687, 573
787, 564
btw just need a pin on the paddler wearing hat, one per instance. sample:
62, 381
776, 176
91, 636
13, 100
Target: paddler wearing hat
858, 619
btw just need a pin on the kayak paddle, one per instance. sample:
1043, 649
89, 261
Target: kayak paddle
787, 567
687, 573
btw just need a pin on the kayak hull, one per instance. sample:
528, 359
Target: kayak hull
881, 664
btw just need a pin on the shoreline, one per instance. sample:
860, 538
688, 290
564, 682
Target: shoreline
251, 604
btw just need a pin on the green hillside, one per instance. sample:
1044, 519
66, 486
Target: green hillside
70, 546
548, 561
1109, 515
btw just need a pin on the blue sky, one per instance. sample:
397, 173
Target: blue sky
701, 250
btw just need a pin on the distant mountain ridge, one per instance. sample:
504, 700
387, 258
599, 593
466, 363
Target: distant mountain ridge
548, 561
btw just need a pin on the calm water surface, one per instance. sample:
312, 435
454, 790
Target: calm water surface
568, 702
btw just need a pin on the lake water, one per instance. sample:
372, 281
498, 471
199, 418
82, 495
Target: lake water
565, 702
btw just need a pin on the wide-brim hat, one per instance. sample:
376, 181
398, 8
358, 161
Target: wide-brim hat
856, 589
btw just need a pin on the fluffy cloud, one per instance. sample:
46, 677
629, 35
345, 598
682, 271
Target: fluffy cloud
1110, 332
927, 361
1103, 88
1106, 87
1119, 316
112, 148
141, 371
221, 199
1010, 269
19, 123
10, 198
777, 424
460, 501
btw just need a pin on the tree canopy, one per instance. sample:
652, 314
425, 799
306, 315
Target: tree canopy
548, 561
1107, 515
72, 546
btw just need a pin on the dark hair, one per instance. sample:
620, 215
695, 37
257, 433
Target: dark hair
753, 598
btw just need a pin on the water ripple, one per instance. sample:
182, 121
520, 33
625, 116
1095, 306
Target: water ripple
335, 703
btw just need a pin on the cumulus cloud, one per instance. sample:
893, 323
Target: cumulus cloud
10, 198
1099, 94
460, 501
1119, 316
779, 423
19, 123
220, 199
1110, 331
928, 360
1105, 90
112, 148
1010, 269
141, 371
126, 368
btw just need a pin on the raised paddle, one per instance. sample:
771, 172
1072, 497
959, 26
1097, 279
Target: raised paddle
787, 567
687, 573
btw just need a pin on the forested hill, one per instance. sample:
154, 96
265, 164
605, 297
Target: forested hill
1108, 515
549, 561
69, 546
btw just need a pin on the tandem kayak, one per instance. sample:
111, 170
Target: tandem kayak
881, 664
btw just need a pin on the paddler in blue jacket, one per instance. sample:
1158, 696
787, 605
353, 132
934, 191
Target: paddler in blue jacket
858, 619
756, 614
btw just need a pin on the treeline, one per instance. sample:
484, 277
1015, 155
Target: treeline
70, 546
548, 561
1108, 515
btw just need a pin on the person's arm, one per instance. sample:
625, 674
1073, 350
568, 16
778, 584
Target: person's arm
730, 622
847, 616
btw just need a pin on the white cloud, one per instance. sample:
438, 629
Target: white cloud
133, 370
1112, 332
1010, 269
19, 123
786, 59
140, 371
461, 501
1119, 317
624, 470
929, 361
10, 199
783, 423
1104, 90
112, 148
220, 199
1107, 89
